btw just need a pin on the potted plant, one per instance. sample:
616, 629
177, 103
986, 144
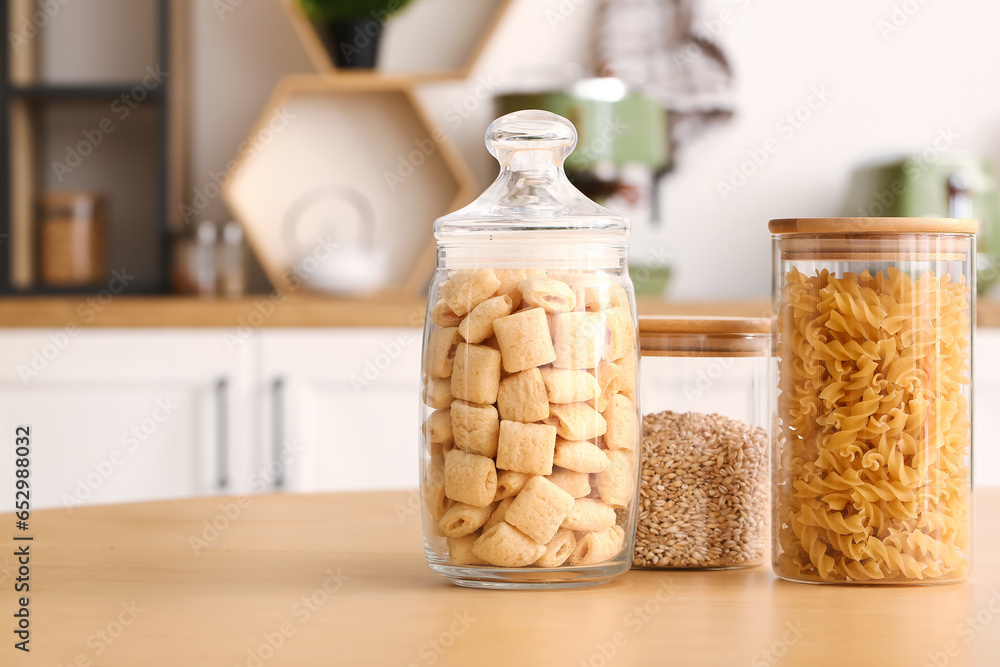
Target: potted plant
350, 29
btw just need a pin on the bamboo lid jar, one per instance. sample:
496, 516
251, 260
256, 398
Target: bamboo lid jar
704, 480
872, 443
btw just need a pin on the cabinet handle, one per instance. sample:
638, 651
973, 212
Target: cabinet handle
222, 433
278, 430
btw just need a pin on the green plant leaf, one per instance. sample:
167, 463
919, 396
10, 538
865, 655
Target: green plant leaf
332, 10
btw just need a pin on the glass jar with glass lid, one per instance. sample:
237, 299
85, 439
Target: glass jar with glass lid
529, 441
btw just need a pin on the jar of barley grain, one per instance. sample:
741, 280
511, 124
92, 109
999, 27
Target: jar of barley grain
704, 481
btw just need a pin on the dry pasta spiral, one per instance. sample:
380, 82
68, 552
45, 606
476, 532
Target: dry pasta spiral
872, 475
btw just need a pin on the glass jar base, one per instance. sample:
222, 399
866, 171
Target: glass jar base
698, 568
871, 582
471, 576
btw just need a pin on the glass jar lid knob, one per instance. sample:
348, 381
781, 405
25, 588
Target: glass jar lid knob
532, 139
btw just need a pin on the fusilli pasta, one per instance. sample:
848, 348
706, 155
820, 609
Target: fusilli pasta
872, 477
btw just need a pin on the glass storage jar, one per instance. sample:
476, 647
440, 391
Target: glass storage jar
72, 243
529, 453
704, 478
872, 442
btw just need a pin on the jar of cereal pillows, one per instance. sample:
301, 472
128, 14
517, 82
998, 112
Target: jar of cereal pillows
530, 424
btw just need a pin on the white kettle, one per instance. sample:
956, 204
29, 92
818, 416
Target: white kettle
323, 261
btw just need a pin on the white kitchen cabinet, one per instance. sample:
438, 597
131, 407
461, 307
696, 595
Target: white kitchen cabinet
986, 409
124, 415
341, 407
280, 410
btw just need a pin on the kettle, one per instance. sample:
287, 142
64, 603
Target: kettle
326, 264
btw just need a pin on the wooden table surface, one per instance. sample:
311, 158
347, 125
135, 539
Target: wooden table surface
340, 579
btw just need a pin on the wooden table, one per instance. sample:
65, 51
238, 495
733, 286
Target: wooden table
340, 580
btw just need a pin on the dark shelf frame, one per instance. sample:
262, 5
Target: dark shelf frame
40, 93
6, 248
75, 92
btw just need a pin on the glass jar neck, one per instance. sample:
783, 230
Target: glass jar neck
535, 187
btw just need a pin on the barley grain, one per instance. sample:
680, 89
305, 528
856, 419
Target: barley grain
703, 494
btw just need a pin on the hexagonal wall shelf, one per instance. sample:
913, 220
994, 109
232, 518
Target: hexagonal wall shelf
430, 39
352, 159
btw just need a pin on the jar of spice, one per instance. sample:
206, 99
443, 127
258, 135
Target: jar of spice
704, 483
72, 239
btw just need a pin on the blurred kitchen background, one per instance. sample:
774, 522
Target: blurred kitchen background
216, 214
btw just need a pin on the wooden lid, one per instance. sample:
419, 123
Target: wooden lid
704, 325
862, 226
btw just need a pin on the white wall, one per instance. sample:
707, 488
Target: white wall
83, 41
890, 95
237, 59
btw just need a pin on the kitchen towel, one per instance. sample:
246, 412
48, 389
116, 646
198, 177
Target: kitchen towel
668, 50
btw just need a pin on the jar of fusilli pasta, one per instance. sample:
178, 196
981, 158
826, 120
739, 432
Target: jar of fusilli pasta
703, 489
872, 434
530, 423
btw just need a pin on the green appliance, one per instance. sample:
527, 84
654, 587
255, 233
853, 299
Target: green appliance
616, 129
956, 186
620, 132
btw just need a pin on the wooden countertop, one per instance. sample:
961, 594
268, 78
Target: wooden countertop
261, 310
340, 579
306, 311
